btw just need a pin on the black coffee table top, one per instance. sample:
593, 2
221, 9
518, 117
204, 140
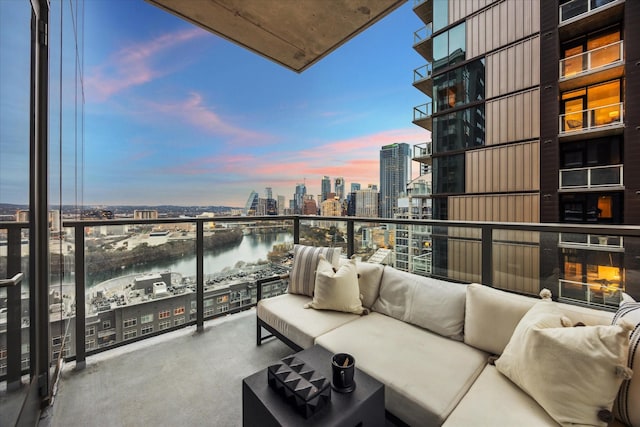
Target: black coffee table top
366, 402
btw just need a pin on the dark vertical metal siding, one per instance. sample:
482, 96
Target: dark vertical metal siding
549, 110
632, 113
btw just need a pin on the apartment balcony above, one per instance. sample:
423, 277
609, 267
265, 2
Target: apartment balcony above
422, 79
587, 68
596, 242
422, 152
599, 121
424, 10
593, 178
423, 43
422, 116
420, 188
579, 17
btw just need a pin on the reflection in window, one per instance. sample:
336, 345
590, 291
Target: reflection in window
591, 52
449, 48
449, 174
460, 86
596, 152
601, 208
459, 130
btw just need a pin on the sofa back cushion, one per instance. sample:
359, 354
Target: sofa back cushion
302, 277
492, 315
430, 303
369, 277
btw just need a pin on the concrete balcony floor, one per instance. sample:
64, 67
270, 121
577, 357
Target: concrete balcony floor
181, 378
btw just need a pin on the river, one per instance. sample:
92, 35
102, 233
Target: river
252, 248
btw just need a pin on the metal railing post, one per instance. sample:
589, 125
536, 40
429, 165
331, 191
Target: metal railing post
487, 256
350, 238
14, 313
296, 230
81, 316
200, 276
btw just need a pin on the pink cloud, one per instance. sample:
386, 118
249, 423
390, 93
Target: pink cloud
132, 65
194, 112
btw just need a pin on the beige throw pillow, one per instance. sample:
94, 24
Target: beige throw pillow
627, 406
336, 290
305, 262
574, 373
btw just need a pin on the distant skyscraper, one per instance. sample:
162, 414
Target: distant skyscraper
367, 203
309, 206
298, 197
395, 173
269, 192
355, 187
339, 188
325, 188
281, 205
252, 204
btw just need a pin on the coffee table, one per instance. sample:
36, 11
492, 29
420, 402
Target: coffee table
262, 406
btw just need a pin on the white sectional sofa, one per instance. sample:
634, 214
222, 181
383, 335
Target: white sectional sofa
430, 343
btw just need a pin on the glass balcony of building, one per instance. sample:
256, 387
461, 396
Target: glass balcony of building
592, 119
597, 177
422, 116
596, 65
422, 152
422, 79
424, 9
423, 43
578, 9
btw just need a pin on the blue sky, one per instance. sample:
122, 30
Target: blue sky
176, 115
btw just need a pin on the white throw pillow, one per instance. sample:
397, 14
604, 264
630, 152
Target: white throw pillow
574, 373
305, 261
336, 290
627, 407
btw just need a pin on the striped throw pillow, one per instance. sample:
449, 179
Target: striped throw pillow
627, 405
302, 278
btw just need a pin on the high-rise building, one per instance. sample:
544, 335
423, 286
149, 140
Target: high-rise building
339, 188
395, 173
309, 206
251, 207
355, 186
145, 214
298, 198
367, 202
281, 205
325, 188
533, 111
331, 207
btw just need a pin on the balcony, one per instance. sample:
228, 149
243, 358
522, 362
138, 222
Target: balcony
592, 178
423, 9
422, 116
423, 43
598, 121
581, 16
422, 152
422, 79
210, 347
587, 68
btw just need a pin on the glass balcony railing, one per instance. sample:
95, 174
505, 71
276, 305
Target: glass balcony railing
423, 150
423, 34
420, 188
578, 8
593, 177
128, 280
582, 63
423, 111
591, 241
593, 118
422, 73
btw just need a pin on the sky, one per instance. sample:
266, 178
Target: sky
176, 115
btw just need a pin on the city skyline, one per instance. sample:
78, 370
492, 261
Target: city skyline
175, 115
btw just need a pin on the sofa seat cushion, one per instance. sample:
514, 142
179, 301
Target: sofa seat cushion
425, 375
287, 315
494, 400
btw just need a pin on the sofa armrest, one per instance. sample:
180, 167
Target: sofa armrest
261, 282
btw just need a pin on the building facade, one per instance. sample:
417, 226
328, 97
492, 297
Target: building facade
532, 117
395, 173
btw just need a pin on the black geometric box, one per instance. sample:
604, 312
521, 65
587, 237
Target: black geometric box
300, 385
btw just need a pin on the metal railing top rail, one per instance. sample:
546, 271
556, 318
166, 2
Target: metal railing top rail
620, 230
6, 225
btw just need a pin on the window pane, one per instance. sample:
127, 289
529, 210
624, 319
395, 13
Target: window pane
440, 14
457, 44
440, 51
